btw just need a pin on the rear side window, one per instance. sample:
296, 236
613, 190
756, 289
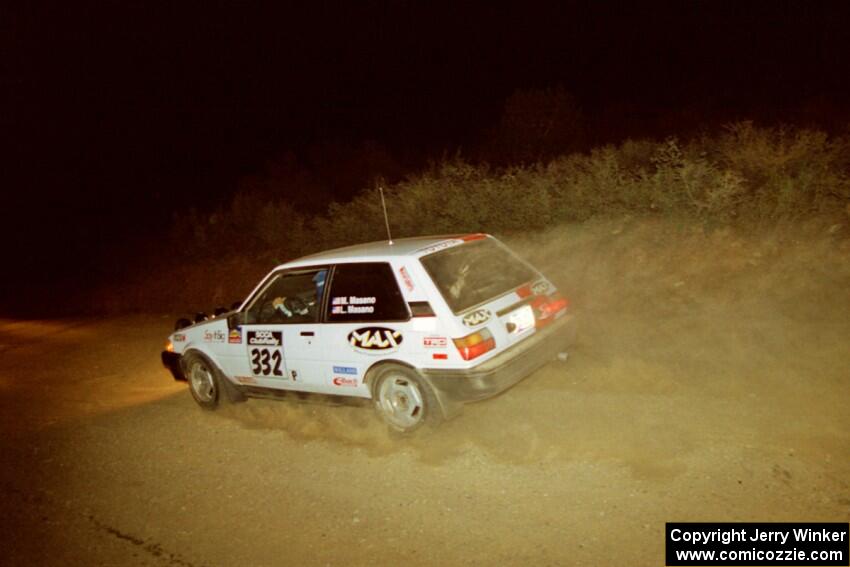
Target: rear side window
476, 272
365, 292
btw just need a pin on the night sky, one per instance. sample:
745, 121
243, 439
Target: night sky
116, 115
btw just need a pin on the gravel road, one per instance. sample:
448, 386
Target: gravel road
698, 391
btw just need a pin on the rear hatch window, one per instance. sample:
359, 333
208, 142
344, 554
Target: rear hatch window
476, 272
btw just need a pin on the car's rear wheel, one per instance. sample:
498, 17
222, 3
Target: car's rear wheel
204, 380
403, 400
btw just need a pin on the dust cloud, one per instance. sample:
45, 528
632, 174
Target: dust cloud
686, 331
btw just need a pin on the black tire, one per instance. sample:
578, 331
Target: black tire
403, 400
205, 380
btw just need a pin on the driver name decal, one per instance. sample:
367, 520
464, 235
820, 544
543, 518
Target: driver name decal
477, 317
374, 339
265, 338
352, 304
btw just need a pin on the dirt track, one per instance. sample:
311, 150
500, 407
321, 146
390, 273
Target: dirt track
710, 383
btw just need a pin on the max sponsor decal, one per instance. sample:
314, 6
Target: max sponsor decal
352, 304
235, 337
265, 338
540, 288
435, 342
374, 339
477, 317
343, 381
213, 336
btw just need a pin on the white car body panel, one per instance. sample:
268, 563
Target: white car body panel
335, 357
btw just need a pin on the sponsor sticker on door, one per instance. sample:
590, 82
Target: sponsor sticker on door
265, 338
373, 340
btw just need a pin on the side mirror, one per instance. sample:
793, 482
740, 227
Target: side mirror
235, 320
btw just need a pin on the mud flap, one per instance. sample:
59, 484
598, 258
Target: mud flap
171, 361
233, 392
449, 407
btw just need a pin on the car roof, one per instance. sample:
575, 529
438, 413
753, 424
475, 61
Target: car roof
382, 249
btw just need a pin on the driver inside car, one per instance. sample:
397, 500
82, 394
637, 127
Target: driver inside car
290, 306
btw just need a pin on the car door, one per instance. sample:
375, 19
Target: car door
366, 322
281, 333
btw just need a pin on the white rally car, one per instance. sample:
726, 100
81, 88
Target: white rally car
419, 325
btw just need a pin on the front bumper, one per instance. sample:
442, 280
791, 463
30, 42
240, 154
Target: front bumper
502, 371
171, 360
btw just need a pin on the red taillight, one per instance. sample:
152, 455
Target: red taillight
553, 307
523, 291
546, 308
476, 344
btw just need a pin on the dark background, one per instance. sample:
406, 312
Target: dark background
117, 116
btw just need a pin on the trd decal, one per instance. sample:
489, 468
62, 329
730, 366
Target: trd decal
265, 338
374, 339
435, 342
477, 317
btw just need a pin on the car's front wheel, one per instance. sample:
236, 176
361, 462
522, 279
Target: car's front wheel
403, 400
204, 380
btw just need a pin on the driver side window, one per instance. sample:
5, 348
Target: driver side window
289, 297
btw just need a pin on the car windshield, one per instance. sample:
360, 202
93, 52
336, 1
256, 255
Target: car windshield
475, 272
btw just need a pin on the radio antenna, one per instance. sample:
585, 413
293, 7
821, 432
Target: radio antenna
386, 218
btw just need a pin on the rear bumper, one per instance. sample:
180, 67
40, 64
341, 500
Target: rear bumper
503, 371
171, 360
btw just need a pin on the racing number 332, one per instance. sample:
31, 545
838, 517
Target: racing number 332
265, 362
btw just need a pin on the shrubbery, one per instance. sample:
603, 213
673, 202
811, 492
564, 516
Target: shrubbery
744, 172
